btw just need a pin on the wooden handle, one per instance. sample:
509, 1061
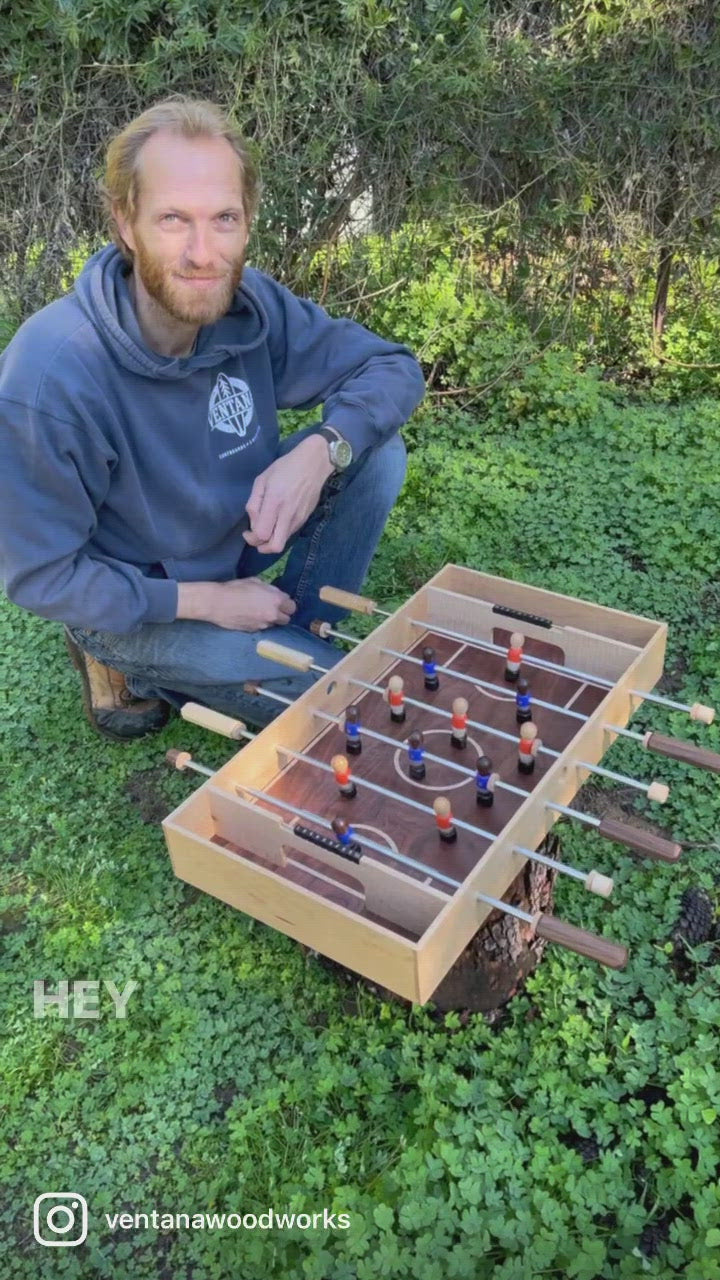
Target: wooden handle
699, 711
597, 883
346, 600
282, 653
178, 759
215, 721
688, 752
645, 842
586, 944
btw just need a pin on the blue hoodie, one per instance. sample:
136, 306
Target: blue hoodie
124, 472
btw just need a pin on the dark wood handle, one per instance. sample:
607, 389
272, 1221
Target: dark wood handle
645, 842
586, 944
688, 752
534, 618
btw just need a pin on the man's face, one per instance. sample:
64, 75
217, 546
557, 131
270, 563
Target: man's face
188, 235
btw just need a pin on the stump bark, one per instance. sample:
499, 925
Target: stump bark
503, 952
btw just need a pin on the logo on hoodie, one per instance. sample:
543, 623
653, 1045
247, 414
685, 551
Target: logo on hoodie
232, 410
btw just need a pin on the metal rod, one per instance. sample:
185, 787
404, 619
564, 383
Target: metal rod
556, 865
505, 906
573, 813
393, 742
365, 840
551, 862
625, 733
484, 684
615, 777
393, 795
440, 711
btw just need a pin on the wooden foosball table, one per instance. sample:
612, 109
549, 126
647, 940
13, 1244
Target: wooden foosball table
384, 814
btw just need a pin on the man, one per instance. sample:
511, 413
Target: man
145, 484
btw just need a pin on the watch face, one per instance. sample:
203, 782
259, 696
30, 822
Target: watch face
341, 454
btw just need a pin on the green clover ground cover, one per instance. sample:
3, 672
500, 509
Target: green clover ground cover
577, 1136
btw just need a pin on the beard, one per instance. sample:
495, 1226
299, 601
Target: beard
178, 299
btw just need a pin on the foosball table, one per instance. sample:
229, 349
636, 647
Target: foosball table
383, 815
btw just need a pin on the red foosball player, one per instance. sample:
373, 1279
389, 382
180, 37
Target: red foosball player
528, 747
444, 820
514, 656
458, 736
396, 699
341, 769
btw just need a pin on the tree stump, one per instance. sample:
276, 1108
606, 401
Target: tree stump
503, 952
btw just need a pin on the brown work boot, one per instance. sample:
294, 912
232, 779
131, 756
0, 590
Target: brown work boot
109, 705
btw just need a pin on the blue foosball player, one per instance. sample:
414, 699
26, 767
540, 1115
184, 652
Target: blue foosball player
353, 741
432, 681
523, 704
484, 782
416, 752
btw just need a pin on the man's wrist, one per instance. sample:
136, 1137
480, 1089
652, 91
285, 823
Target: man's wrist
196, 600
318, 444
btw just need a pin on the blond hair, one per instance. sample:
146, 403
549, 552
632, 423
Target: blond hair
187, 118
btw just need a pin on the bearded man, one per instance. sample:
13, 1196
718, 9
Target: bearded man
145, 482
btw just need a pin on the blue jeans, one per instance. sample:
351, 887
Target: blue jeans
198, 661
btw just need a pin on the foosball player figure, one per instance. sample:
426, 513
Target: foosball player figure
443, 818
428, 661
484, 782
344, 833
514, 657
353, 742
458, 736
396, 699
528, 747
523, 712
416, 751
341, 769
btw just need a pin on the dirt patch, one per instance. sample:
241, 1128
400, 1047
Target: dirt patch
145, 789
617, 804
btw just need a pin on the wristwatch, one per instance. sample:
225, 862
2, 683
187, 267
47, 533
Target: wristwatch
340, 450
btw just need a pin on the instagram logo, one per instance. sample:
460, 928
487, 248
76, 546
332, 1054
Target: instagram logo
59, 1218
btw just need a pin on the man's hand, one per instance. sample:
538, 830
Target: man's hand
246, 604
284, 495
